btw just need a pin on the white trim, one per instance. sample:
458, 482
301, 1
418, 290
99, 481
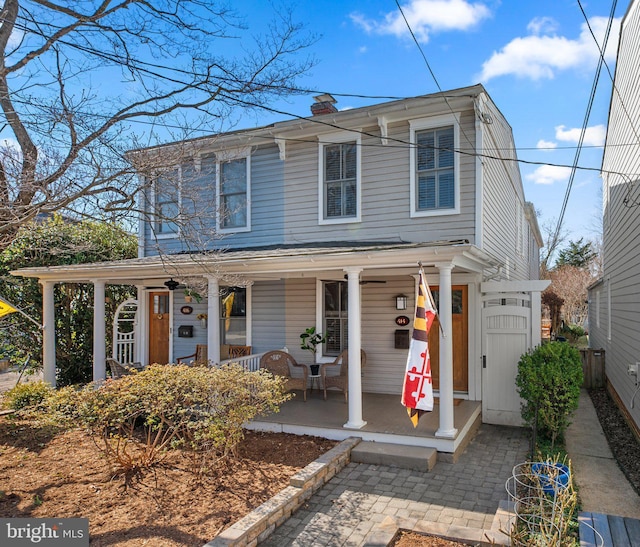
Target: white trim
224, 157
434, 122
479, 180
339, 137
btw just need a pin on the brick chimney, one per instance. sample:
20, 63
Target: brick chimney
323, 105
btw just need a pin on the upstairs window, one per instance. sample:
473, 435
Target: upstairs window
234, 193
339, 179
434, 167
167, 205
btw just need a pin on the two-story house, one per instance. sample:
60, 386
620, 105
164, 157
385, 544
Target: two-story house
322, 221
614, 301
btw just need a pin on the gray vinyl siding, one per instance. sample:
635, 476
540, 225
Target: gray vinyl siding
187, 346
621, 222
385, 194
268, 316
502, 192
199, 230
300, 301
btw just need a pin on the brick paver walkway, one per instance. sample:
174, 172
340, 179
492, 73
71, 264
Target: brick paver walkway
362, 496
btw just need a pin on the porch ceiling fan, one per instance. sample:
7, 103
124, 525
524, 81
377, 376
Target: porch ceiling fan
367, 281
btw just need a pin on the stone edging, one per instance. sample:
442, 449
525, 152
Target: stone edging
262, 521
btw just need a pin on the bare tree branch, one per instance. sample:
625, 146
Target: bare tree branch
82, 83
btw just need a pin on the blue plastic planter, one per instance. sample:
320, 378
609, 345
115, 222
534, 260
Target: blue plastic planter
553, 477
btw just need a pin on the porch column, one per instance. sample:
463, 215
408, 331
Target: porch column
446, 428
213, 320
355, 366
536, 318
99, 331
140, 328
48, 333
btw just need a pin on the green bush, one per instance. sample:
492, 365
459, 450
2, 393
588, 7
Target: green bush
137, 418
28, 395
549, 380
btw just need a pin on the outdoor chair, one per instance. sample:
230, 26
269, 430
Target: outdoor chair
118, 370
280, 363
341, 380
239, 351
199, 357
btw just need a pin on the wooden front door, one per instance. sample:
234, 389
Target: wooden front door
460, 328
159, 327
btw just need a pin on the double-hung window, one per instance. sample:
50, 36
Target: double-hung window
335, 317
166, 193
233, 321
234, 191
435, 187
339, 174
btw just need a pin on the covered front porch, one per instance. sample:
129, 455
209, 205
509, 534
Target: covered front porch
386, 421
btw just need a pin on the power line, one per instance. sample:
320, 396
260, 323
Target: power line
583, 131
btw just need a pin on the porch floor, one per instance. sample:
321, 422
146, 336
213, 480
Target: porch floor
386, 418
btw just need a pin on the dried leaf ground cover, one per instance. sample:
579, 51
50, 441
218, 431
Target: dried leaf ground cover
44, 473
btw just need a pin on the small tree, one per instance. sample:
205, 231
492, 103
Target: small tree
310, 339
49, 243
549, 380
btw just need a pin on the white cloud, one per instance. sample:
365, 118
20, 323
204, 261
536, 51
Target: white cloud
362, 49
540, 56
546, 145
425, 17
548, 174
542, 25
593, 136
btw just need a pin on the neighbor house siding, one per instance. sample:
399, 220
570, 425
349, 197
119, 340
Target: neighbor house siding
619, 334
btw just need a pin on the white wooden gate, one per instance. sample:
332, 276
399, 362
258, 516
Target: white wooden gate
511, 325
125, 325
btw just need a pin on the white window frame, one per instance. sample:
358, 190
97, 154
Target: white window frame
328, 139
425, 124
224, 157
157, 234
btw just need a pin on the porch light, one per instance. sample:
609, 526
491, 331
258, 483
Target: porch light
401, 302
171, 284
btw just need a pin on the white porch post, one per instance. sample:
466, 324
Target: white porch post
140, 326
446, 428
99, 331
536, 318
48, 333
213, 321
355, 366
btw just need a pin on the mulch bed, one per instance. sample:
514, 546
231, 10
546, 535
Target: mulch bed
623, 443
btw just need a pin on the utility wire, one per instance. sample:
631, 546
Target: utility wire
583, 131
426, 62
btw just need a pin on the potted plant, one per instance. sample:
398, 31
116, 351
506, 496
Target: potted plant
309, 339
191, 294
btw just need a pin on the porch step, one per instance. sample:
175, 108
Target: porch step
407, 457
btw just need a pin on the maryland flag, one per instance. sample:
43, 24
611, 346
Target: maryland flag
417, 392
6, 308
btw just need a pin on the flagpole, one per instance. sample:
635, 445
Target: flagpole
15, 308
430, 296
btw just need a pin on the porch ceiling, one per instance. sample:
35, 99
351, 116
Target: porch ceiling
285, 261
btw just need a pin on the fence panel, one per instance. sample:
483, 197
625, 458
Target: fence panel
592, 368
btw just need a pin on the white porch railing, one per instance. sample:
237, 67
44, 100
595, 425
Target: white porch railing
250, 363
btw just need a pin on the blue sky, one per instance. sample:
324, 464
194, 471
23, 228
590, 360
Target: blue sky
536, 59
